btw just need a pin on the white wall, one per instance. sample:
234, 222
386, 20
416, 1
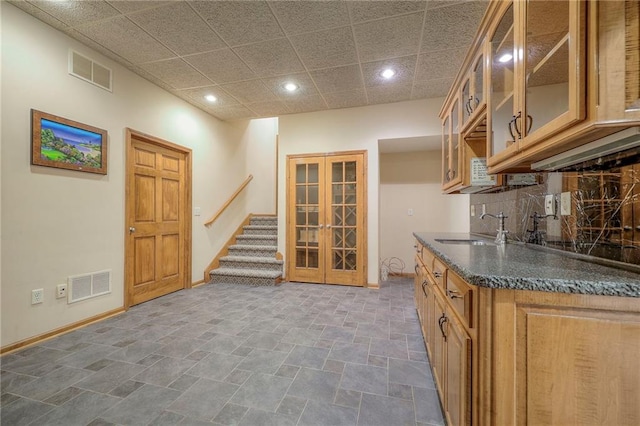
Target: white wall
56, 223
411, 180
354, 129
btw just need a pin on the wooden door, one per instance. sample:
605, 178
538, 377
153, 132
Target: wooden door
326, 219
158, 218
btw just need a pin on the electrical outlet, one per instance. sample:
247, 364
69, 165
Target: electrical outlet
484, 209
473, 210
196, 211
550, 204
61, 291
565, 204
410, 212
37, 296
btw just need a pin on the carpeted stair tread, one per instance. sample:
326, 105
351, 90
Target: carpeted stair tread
252, 247
254, 273
254, 259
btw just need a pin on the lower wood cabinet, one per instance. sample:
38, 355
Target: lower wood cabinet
516, 357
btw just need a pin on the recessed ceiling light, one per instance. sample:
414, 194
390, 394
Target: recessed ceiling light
291, 87
388, 73
505, 58
211, 98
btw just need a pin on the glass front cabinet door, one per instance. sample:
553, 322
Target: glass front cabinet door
537, 67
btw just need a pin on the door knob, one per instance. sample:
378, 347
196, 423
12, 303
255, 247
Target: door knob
132, 229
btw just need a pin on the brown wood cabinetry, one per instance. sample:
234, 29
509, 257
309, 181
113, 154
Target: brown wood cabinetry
558, 74
508, 357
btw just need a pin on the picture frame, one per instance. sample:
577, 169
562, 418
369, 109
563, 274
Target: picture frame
66, 144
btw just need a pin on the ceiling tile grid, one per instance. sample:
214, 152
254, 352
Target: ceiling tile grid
244, 52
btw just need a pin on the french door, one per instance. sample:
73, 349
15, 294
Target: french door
326, 231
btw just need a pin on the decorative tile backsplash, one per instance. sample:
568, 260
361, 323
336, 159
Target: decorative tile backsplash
600, 215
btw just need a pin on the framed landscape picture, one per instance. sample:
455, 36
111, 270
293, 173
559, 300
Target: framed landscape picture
66, 144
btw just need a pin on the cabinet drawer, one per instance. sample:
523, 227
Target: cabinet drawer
427, 259
460, 296
439, 271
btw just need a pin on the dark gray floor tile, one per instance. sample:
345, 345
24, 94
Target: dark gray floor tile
264, 418
167, 418
400, 391
80, 410
10, 381
8, 398
87, 356
307, 356
361, 317
237, 376
377, 330
204, 400
165, 371
179, 348
242, 351
409, 373
284, 347
383, 410
262, 391
322, 343
291, 406
183, 382
302, 336
289, 371
215, 366
98, 365
334, 366
418, 356
348, 398
319, 413
263, 340
126, 389
49, 385
263, 361
349, 352
397, 336
142, 406
23, 411
197, 355
364, 378
101, 422
111, 376
362, 340
64, 396
389, 348
427, 406
378, 361
405, 327
223, 344
150, 360
230, 415
315, 384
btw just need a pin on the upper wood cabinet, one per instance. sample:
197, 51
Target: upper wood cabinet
556, 74
536, 74
451, 146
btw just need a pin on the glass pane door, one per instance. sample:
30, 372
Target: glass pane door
307, 208
344, 209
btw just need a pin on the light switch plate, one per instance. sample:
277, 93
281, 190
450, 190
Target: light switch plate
196, 211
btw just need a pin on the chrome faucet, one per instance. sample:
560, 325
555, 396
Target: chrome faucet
501, 237
536, 236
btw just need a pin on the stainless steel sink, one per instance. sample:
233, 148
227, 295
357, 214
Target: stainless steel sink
468, 242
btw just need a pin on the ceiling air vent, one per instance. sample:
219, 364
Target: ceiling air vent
88, 70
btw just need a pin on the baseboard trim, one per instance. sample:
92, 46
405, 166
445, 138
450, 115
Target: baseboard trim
59, 331
373, 286
198, 283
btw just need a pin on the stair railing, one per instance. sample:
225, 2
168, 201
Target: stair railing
229, 201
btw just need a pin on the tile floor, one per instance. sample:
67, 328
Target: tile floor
296, 354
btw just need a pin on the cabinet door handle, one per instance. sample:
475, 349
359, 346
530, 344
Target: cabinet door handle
441, 322
454, 294
424, 283
511, 128
416, 269
437, 274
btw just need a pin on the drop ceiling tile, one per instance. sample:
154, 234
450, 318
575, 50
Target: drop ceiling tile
389, 38
97, 47
168, 24
250, 91
38, 13
269, 109
387, 94
305, 16
223, 98
354, 98
232, 112
270, 58
325, 49
125, 38
434, 65
340, 79
221, 66
176, 73
452, 26
370, 10
431, 88
240, 22
306, 104
404, 68
306, 87
136, 5
153, 79
77, 12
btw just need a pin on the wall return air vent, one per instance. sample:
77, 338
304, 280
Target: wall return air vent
86, 286
88, 70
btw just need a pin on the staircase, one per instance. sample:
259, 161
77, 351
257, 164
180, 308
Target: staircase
252, 259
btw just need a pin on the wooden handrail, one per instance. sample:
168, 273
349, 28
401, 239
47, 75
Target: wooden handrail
229, 201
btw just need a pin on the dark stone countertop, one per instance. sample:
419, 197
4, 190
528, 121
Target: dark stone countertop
519, 267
